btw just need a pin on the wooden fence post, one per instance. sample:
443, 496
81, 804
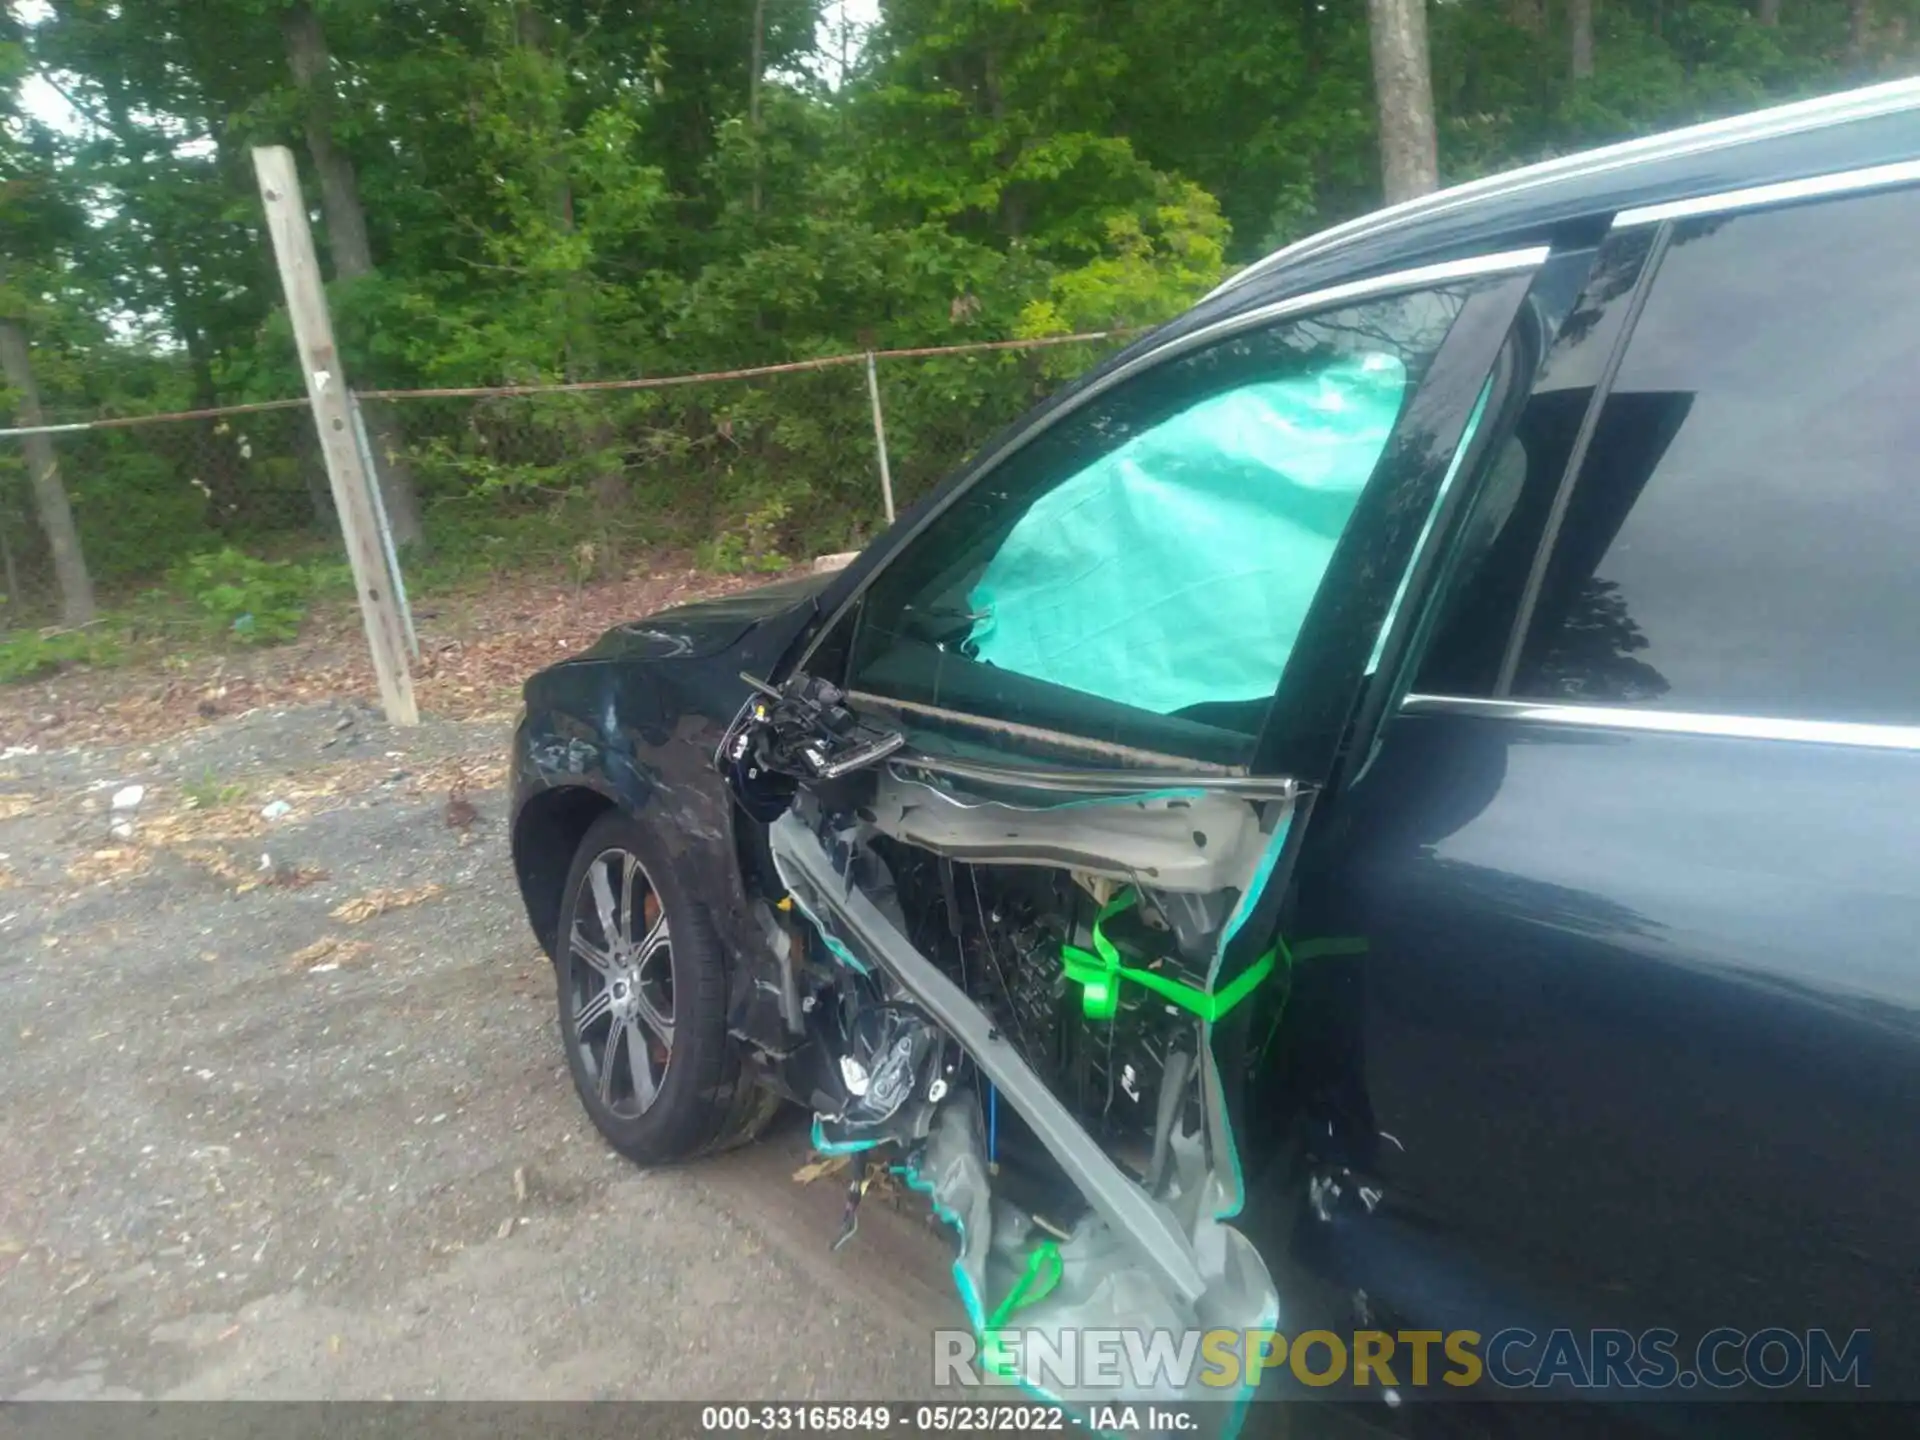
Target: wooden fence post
331, 403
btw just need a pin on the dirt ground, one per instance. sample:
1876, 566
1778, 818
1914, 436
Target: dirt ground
476, 647
283, 1114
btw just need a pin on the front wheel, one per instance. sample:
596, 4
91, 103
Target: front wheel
643, 1006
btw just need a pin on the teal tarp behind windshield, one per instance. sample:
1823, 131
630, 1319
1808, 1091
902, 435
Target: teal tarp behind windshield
1177, 569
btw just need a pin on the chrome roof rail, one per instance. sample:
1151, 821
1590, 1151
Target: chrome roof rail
1780, 120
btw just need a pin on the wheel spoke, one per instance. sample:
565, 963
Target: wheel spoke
599, 959
653, 943
651, 1016
629, 872
607, 1059
640, 1062
593, 1011
600, 877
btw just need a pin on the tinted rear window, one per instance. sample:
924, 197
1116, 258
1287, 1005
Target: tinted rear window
1744, 536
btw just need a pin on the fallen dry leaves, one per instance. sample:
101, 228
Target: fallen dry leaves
124, 862
296, 877
878, 1181
476, 649
312, 794
109, 864
331, 952
222, 865
378, 902
816, 1169
190, 823
466, 775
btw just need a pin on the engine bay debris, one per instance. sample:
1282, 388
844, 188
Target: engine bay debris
1016, 977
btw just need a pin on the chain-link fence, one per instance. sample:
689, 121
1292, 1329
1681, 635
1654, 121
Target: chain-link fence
741, 471
147, 494
221, 524
748, 469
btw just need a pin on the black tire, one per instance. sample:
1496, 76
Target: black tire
656, 995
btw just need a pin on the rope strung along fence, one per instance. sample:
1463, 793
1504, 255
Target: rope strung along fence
749, 468
647, 382
752, 372
129, 422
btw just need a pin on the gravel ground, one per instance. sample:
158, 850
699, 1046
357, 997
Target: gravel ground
284, 1115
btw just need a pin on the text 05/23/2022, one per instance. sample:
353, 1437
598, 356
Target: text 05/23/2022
920, 1418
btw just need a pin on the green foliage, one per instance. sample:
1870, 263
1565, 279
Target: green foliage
476, 541
209, 792
555, 191
752, 546
252, 601
1157, 260
31, 653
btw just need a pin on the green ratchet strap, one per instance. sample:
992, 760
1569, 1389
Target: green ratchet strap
1033, 1286
1099, 973
997, 1355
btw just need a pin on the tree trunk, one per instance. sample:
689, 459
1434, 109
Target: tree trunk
1770, 13
1012, 212
49, 495
10, 603
753, 91
346, 219
347, 242
1580, 24
1403, 91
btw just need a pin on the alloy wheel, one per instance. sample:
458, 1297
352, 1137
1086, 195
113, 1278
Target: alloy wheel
620, 969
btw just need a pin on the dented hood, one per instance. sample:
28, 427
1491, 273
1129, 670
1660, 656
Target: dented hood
706, 627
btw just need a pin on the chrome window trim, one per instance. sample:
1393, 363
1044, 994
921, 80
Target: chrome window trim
1475, 267
1503, 262
1671, 722
1814, 187
1821, 113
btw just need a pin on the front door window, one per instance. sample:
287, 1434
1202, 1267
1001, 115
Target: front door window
1140, 571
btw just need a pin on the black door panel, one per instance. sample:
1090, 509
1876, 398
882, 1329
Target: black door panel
1641, 1017
1614, 1015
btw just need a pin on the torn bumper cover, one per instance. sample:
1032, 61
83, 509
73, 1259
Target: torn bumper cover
1156, 1262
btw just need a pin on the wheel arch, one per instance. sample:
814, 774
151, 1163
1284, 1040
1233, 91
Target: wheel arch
546, 833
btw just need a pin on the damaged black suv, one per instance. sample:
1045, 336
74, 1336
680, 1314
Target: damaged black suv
1391, 804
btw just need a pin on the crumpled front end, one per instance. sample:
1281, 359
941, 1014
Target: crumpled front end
1014, 985
1031, 1295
